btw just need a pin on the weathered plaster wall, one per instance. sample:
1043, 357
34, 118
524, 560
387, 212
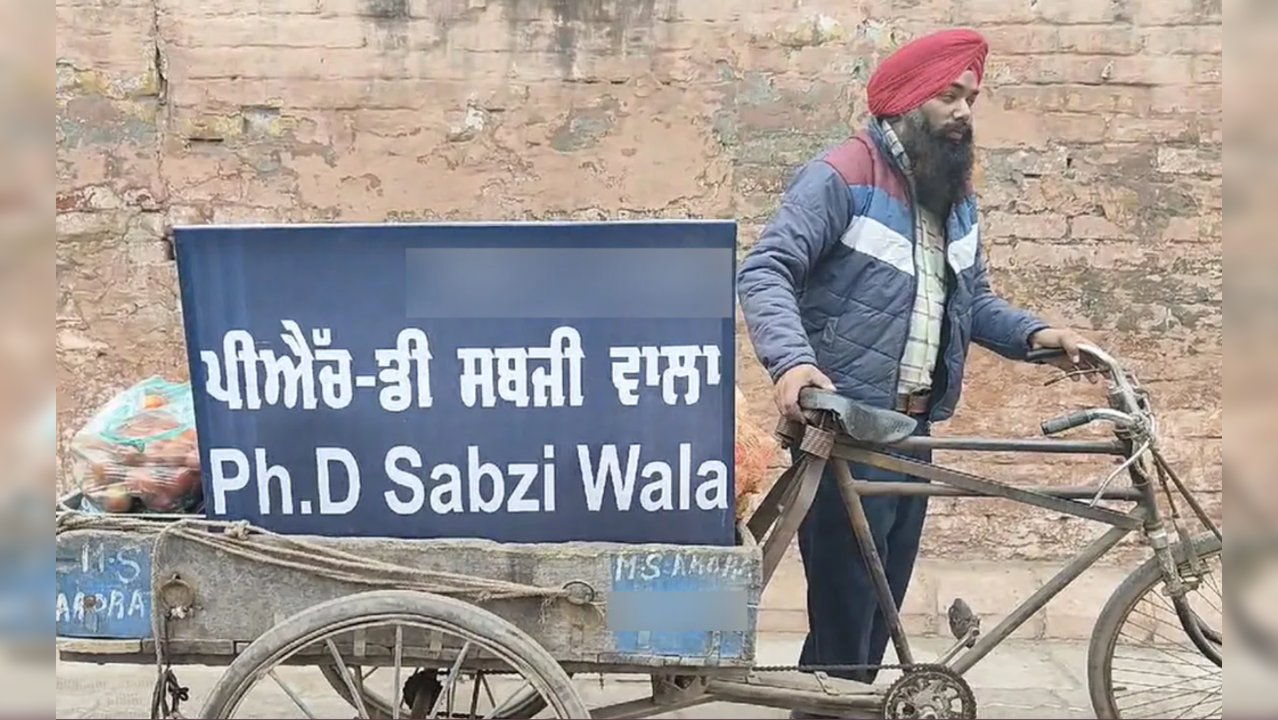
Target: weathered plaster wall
1100, 138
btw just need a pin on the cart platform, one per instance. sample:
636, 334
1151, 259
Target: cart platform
214, 590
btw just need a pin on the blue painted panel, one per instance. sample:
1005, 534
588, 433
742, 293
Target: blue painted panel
103, 587
668, 578
520, 382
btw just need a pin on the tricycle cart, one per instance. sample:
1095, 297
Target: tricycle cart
467, 628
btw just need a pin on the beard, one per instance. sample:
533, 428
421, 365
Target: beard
942, 164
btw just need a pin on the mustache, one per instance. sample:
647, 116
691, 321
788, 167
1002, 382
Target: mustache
962, 127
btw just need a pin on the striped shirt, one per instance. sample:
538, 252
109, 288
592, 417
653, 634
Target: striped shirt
924, 343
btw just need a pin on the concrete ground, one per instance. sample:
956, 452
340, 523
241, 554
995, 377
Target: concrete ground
1022, 679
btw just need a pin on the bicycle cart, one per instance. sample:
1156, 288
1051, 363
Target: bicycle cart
461, 628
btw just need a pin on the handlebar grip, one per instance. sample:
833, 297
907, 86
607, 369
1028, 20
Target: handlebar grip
1044, 355
1068, 422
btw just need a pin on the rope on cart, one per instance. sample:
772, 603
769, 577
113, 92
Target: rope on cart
237, 539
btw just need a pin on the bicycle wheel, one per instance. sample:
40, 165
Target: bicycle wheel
1142, 662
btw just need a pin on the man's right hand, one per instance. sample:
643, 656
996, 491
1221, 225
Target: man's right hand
792, 382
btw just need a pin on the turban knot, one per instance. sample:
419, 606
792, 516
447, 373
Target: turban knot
923, 69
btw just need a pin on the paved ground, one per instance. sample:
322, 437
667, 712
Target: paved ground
1021, 680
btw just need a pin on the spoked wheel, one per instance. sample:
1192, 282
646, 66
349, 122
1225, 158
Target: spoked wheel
376, 692
1150, 659
477, 665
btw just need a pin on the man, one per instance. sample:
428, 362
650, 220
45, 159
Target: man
870, 281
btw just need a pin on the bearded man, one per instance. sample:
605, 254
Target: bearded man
870, 281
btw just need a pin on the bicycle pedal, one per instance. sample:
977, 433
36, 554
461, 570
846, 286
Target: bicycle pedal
963, 621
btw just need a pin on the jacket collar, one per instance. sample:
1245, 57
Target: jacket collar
889, 145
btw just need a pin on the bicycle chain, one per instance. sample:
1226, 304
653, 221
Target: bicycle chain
769, 669
842, 668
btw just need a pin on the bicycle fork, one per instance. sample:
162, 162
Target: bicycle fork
1182, 571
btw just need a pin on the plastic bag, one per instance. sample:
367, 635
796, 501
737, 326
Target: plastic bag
756, 449
139, 452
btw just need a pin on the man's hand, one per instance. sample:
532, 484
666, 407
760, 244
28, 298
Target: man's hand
1067, 340
792, 382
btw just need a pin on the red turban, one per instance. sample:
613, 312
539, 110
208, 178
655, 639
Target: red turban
923, 69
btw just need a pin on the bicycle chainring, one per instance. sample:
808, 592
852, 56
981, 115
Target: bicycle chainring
929, 693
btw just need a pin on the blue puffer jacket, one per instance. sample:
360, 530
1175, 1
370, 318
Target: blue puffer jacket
832, 281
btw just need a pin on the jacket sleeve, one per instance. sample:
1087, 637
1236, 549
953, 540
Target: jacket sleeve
996, 324
814, 212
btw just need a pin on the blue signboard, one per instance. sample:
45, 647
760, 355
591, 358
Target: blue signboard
533, 382
693, 603
103, 587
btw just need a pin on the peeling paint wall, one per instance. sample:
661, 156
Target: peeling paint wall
1100, 165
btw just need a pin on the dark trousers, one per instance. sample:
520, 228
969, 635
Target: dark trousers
845, 626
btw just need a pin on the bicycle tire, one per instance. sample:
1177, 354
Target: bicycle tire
1194, 627
1105, 633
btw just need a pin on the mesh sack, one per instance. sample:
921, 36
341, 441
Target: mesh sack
756, 449
139, 452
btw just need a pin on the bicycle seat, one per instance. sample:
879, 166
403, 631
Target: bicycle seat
861, 422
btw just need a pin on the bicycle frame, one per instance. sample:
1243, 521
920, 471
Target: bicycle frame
820, 443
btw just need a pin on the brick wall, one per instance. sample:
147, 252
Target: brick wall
1100, 165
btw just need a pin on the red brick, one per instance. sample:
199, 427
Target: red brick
1182, 40
72, 23
249, 7
1190, 161
1012, 225
1181, 229
1134, 129
1187, 99
1092, 227
1128, 99
342, 64
1152, 70
1207, 69
1211, 228
323, 94
1078, 11
267, 31
1211, 128
128, 53
1099, 39
1164, 12
1059, 194
1080, 128
1074, 98
1022, 39
1052, 69
999, 128
981, 12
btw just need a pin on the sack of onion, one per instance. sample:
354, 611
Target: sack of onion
756, 450
139, 453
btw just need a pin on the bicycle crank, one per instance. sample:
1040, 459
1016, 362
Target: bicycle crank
932, 693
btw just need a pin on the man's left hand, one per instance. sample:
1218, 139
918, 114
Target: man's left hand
1069, 341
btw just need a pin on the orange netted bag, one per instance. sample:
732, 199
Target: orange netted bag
139, 453
756, 448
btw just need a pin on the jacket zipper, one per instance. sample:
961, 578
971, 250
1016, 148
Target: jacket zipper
914, 262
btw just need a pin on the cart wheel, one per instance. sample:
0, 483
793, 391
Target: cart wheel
525, 702
1146, 659
463, 647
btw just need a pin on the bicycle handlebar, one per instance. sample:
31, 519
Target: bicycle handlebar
1067, 422
1044, 355
1122, 385
1084, 417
